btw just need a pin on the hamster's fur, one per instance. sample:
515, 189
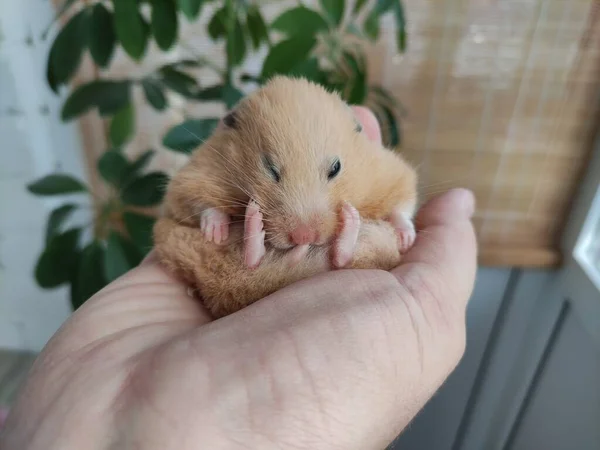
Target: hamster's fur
224, 283
279, 148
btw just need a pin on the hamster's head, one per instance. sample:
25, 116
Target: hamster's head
299, 152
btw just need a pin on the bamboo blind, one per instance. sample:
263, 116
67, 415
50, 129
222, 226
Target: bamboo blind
501, 98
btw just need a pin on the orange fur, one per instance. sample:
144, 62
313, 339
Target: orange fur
226, 285
302, 128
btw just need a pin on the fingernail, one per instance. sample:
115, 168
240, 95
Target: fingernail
466, 199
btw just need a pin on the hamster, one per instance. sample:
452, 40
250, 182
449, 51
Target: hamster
289, 163
224, 283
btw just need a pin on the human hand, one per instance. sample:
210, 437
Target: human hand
342, 360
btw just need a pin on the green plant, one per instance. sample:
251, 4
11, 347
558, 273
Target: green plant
326, 45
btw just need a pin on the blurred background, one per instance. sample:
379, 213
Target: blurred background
100, 101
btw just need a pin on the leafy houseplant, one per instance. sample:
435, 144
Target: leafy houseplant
325, 44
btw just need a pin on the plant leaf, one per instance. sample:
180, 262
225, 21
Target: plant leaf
357, 91
108, 96
389, 126
189, 135
227, 93
211, 93
140, 230
130, 28
57, 218
308, 69
231, 95
191, 8
247, 78
51, 79
383, 6
385, 97
352, 28
154, 94
371, 25
56, 184
236, 45
256, 26
120, 257
216, 26
89, 277
134, 169
287, 54
164, 23
300, 20
180, 82
102, 35
113, 167
147, 190
334, 9
66, 5
358, 6
122, 126
400, 25
67, 50
58, 260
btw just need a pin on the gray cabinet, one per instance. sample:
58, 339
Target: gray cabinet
562, 406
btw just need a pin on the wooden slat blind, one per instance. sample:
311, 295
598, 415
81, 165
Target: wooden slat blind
501, 98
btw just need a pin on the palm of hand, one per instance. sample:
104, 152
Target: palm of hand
342, 360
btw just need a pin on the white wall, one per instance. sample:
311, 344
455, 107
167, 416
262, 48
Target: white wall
33, 143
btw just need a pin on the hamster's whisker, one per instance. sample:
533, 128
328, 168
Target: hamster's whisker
228, 183
200, 140
440, 183
252, 236
229, 204
227, 201
436, 191
231, 182
244, 238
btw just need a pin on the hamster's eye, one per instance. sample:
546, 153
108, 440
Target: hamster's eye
230, 120
273, 170
358, 128
334, 169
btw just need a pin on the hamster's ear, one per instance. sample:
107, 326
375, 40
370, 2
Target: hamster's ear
368, 122
357, 125
230, 120
358, 128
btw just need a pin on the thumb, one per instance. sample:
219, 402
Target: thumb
443, 260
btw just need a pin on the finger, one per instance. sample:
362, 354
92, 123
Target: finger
150, 259
345, 244
369, 123
444, 257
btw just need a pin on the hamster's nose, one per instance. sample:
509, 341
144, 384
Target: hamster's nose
303, 234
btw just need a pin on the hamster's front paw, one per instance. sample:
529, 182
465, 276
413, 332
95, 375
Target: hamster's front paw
214, 224
405, 230
254, 236
345, 242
